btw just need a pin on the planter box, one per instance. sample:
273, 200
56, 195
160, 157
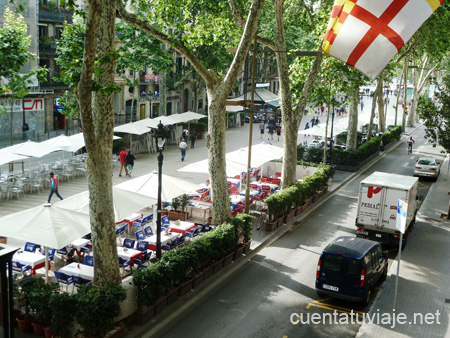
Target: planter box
247, 246
198, 279
238, 252
186, 287
217, 266
350, 168
291, 215
228, 259
144, 315
271, 226
177, 215
173, 295
207, 273
160, 305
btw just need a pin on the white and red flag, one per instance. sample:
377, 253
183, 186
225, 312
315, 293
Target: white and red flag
366, 34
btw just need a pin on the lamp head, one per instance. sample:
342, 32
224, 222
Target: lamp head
160, 134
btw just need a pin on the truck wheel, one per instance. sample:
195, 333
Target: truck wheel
404, 242
368, 296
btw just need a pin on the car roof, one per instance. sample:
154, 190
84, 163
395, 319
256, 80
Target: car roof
350, 246
427, 159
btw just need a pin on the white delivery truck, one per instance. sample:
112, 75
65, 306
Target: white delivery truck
377, 206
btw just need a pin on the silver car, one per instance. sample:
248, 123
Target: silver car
427, 167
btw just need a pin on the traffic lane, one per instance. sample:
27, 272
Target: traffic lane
259, 299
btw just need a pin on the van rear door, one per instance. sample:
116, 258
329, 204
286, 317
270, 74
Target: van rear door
340, 274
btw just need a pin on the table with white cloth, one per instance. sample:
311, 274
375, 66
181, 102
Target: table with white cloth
165, 239
133, 217
199, 210
128, 254
35, 260
182, 227
252, 193
80, 243
79, 270
235, 200
271, 185
234, 181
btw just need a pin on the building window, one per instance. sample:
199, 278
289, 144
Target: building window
200, 104
43, 31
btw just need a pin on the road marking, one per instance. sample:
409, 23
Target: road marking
332, 307
424, 186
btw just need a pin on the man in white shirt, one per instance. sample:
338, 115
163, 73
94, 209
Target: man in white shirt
183, 148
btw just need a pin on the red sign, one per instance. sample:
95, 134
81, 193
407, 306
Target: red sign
150, 78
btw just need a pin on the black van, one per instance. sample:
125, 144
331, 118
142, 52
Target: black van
349, 267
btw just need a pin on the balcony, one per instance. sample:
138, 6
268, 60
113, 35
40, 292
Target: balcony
54, 15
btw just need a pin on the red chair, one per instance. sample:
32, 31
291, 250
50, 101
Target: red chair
269, 179
237, 177
266, 188
204, 195
254, 186
229, 183
234, 190
263, 179
276, 181
278, 174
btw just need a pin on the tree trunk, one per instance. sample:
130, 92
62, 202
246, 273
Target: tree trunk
98, 123
352, 131
372, 114
162, 94
380, 105
216, 154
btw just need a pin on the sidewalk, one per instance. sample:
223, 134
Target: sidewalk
424, 279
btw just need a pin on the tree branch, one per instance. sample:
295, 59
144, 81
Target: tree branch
146, 27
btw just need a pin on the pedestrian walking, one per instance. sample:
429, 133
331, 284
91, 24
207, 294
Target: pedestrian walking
322, 109
123, 161
271, 127
362, 106
262, 126
278, 131
193, 137
317, 120
183, 148
185, 134
53, 187
313, 122
129, 159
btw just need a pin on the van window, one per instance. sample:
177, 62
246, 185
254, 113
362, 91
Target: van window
379, 253
353, 267
333, 262
368, 261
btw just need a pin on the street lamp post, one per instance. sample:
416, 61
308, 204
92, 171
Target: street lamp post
160, 134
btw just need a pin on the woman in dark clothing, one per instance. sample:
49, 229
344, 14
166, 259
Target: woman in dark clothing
130, 162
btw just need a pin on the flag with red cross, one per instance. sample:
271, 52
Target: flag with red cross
367, 34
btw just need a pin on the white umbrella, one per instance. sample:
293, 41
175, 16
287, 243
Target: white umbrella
124, 205
232, 167
48, 226
34, 149
62, 142
320, 131
146, 188
77, 141
7, 156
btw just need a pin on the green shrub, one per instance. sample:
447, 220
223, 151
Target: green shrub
301, 150
61, 322
314, 154
178, 265
97, 307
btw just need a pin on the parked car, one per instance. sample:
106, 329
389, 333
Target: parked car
427, 167
349, 268
316, 144
256, 118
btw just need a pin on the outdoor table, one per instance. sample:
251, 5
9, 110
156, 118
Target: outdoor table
234, 181
165, 238
80, 243
35, 260
236, 199
80, 270
182, 228
128, 254
133, 217
199, 210
271, 185
252, 193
